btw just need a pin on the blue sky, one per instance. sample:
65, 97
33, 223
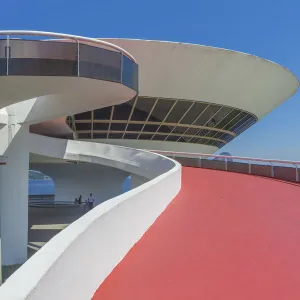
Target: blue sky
270, 29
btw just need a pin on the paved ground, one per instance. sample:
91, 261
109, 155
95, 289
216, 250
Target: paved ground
44, 223
225, 236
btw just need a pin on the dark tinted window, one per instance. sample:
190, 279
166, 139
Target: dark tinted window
161, 109
178, 111
122, 111
84, 116
100, 126
129, 73
83, 126
135, 127
102, 114
117, 126
132, 136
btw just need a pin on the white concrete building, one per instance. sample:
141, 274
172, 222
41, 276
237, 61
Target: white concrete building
67, 102
192, 98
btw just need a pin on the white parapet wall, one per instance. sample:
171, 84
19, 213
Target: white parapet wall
159, 145
137, 180
76, 261
134, 161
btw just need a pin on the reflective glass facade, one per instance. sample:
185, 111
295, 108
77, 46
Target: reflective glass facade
160, 119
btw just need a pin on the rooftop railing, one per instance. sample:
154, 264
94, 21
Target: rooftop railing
280, 169
76, 38
40, 53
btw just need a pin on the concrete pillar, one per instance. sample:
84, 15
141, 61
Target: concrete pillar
14, 192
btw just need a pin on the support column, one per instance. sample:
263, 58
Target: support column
14, 192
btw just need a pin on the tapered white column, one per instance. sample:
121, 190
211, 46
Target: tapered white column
14, 192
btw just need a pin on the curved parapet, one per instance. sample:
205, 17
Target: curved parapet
128, 159
61, 76
101, 238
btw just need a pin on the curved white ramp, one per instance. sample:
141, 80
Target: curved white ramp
97, 242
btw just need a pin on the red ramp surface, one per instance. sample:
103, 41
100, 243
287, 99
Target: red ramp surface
225, 236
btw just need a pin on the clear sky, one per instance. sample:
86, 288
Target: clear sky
267, 28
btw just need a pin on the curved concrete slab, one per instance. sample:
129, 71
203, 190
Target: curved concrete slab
214, 75
54, 97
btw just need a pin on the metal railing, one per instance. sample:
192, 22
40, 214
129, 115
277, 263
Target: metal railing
76, 38
65, 55
274, 168
53, 204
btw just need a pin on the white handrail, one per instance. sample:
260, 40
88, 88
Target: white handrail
67, 36
227, 156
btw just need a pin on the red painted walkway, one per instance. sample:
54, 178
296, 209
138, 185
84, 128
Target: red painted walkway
225, 236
